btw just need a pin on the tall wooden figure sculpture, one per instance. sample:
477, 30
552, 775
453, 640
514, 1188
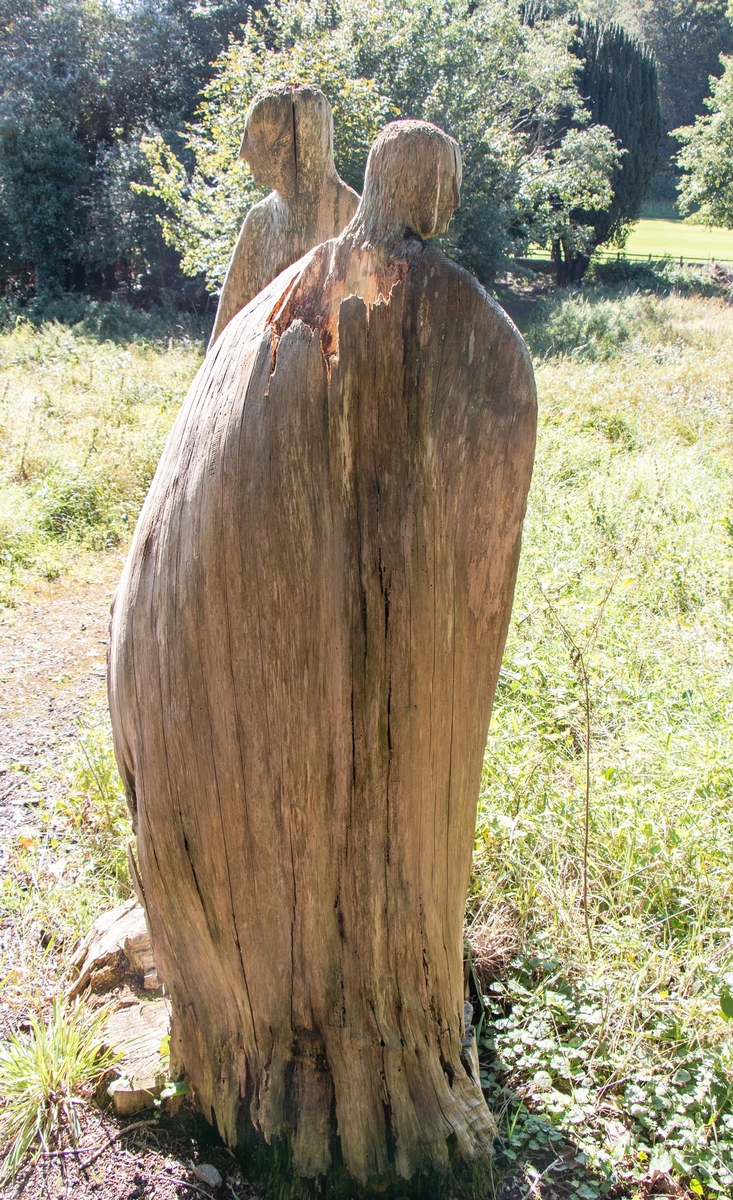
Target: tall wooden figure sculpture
305, 645
288, 143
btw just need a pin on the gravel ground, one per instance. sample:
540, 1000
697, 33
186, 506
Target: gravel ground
53, 647
152, 1161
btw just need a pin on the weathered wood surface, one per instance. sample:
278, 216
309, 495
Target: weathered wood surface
305, 645
136, 1031
118, 944
288, 143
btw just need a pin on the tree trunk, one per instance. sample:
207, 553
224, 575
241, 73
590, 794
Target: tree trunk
305, 646
570, 266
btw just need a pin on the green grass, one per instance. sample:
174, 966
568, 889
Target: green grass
42, 1074
63, 871
678, 239
628, 555
82, 423
663, 238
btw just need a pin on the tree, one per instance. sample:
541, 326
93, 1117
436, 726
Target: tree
42, 171
578, 172
706, 189
473, 68
686, 38
618, 81
103, 73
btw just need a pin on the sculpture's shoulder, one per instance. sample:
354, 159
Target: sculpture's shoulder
471, 316
266, 216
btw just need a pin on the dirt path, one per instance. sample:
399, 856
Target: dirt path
53, 647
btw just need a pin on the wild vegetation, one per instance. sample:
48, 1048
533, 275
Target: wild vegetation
612, 1021
83, 420
605, 1040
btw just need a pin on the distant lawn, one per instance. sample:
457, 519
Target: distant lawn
662, 238
680, 240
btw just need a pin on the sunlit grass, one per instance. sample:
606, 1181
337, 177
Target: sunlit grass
82, 425
628, 548
680, 239
42, 1074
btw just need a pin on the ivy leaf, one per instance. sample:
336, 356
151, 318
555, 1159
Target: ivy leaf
726, 1003
174, 1089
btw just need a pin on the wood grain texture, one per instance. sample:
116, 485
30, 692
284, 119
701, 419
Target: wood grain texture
305, 645
288, 142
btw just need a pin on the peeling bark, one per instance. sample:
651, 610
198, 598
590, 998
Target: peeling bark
305, 645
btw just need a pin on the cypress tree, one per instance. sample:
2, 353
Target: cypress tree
619, 82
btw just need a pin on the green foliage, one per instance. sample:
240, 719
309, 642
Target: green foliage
624, 1051
582, 327
662, 276
498, 86
558, 1039
42, 1074
686, 38
63, 870
88, 77
619, 80
706, 190
42, 171
95, 806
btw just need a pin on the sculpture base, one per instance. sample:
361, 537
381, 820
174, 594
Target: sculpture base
271, 1167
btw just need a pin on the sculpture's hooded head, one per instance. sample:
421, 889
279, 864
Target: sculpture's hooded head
412, 182
288, 139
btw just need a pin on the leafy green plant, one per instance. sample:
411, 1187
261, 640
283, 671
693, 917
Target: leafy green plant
552, 1050
580, 327
42, 1074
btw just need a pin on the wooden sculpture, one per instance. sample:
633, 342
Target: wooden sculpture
288, 143
304, 650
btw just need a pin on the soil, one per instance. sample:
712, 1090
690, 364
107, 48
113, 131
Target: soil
144, 1159
53, 647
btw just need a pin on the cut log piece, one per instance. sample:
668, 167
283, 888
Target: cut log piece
288, 143
304, 650
138, 1032
118, 944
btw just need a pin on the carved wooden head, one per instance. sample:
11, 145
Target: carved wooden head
288, 138
412, 182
